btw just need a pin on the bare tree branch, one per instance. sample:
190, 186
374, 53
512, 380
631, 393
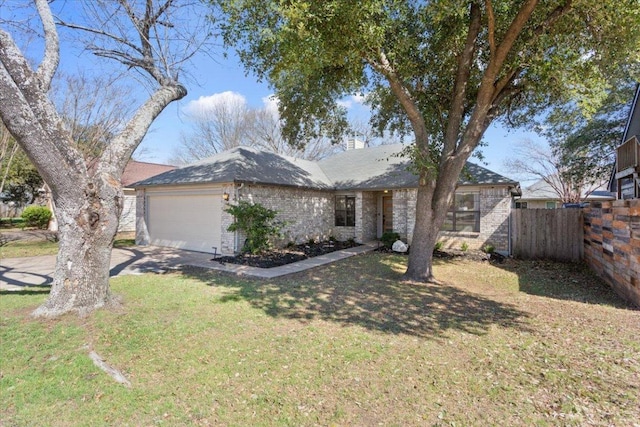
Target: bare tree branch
49, 63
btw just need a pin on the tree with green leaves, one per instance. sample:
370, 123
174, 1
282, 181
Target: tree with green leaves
585, 146
582, 147
441, 71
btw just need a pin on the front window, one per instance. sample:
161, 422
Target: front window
464, 215
521, 205
345, 211
551, 205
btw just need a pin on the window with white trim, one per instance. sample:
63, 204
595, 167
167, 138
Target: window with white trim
464, 215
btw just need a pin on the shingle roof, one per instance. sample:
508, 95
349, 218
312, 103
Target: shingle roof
371, 168
542, 190
382, 167
246, 164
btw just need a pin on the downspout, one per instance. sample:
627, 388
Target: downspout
235, 233
513, 205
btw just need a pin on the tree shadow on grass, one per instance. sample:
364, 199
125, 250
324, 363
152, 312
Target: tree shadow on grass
563, 281
27, 292
367, 291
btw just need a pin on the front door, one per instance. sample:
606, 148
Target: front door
387, 214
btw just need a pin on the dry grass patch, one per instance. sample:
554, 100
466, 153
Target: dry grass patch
345, 344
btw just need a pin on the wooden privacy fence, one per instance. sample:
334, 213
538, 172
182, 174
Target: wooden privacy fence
554, 234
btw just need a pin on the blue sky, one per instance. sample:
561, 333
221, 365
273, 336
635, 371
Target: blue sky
222, 75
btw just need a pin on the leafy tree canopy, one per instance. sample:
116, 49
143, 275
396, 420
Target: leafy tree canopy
586, 145
315, 52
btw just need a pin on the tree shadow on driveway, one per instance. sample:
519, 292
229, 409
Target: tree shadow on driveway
365, 291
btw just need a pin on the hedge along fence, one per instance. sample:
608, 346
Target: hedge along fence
612, 245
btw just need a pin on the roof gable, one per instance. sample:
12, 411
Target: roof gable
633, 122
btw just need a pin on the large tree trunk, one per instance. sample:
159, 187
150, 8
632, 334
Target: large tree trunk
87, 229
433, 200
420, 268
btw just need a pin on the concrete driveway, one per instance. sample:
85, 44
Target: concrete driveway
17, 273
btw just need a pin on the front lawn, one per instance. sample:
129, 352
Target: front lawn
517, 344
41, 245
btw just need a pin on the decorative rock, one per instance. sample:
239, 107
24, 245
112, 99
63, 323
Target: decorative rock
400, 246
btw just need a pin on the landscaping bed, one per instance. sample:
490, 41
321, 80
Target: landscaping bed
288, 255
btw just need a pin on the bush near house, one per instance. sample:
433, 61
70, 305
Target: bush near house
36, 216
389, 238
257, 222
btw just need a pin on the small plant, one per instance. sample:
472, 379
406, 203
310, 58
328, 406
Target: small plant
488, 249
351, 241
36, 216
438, 246
311, 241
257, 222
389, 238
332, 239
464, 247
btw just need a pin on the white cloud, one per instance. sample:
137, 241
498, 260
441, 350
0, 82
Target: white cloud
203, 104
359, 98
271, 103
352, 101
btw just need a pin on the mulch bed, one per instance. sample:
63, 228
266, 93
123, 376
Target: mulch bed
291, 254
288, 255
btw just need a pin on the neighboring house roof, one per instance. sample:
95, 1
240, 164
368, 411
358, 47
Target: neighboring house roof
370, 168
633, 123
137, 171
631, 128
541, 190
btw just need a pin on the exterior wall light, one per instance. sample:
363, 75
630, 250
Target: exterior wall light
225, 196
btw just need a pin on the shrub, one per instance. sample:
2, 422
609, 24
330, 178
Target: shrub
438, 246
464, 247
36, 216
389, 238
488, 248
257, 222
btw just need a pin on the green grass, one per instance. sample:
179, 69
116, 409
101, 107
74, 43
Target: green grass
346, 344
29, 248
11, 222
20, 249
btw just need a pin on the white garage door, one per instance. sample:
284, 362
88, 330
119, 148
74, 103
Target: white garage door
185, 221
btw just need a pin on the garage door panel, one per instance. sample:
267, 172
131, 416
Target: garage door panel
185, 221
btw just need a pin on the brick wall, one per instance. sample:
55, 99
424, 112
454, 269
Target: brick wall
366, 216
612, 245
307, 214
495, 208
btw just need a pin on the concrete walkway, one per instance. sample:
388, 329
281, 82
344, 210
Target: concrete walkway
18, 273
